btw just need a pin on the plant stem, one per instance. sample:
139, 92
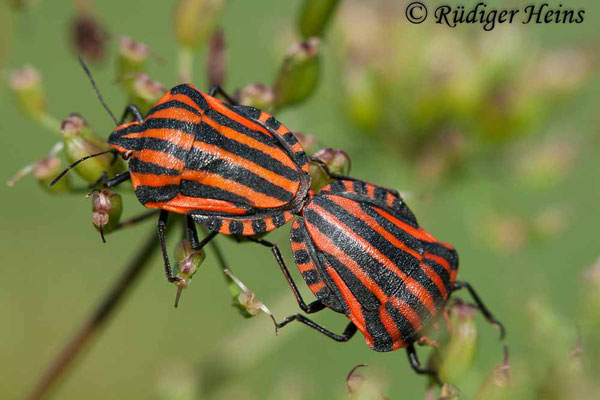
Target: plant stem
91, 327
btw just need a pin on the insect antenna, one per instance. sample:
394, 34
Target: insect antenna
89, 74
74, 164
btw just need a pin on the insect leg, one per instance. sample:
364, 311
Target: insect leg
162, 225
216, 89
192, 233
416, 365
330, 174
115, 180
313, 307
482, 307
344, 337
132, 110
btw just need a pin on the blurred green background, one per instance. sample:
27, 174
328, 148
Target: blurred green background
522, 210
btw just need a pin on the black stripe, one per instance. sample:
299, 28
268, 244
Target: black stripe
365, 297
174, 104
196, 189
259, 226
387, 280
381, 338
329, 294
290, 139
207, 134
246, 111
301, 256
442, 251
359, 187
236, 227
201, 161
159, 194
407, 331
273, 123
420, 276
409, 240
401, 259
441, 271
311, 277
404, 212
143, 167
278, 220
193, 94
240, 128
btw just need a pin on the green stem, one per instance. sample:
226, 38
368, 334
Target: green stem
91, 327
50, 123
186, 64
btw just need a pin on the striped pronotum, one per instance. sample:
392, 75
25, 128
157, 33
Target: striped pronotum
234, 169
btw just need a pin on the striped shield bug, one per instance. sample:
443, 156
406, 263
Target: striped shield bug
234, 169
362, 253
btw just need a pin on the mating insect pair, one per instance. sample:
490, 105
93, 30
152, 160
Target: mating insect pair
238, 171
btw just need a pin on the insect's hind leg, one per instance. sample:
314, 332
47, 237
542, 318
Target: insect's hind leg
482, 307
344, 337
162, 226
413, 359
132, 110
313, 307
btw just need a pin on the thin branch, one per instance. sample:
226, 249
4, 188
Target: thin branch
91, 327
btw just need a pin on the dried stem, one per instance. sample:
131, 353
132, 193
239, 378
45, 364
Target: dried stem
91, 327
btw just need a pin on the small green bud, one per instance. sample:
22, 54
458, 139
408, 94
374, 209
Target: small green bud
44, 171
216, 61
89, 36
188, 261
107, 207
26, 84
299, 73
132, 57
315, 16
337, 161
257, 95
309, 142
245, 300
454, 357
145, 92
80, 142
195, 20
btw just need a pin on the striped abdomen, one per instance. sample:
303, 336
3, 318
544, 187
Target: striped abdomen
234, 169
362, 253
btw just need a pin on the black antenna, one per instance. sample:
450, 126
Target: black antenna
89, 74
58, 178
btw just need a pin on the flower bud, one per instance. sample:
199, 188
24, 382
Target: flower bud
315, 16
145, 92
245, 300
309, 142
26, 84
44, 171
188, 260
257, 95
216, 61
299, 74
360, 388
195, 20
89, 36
454, 357
107, 207
80, 142
337, 161
132, 57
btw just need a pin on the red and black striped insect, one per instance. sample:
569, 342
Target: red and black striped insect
362, 253
234, 169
